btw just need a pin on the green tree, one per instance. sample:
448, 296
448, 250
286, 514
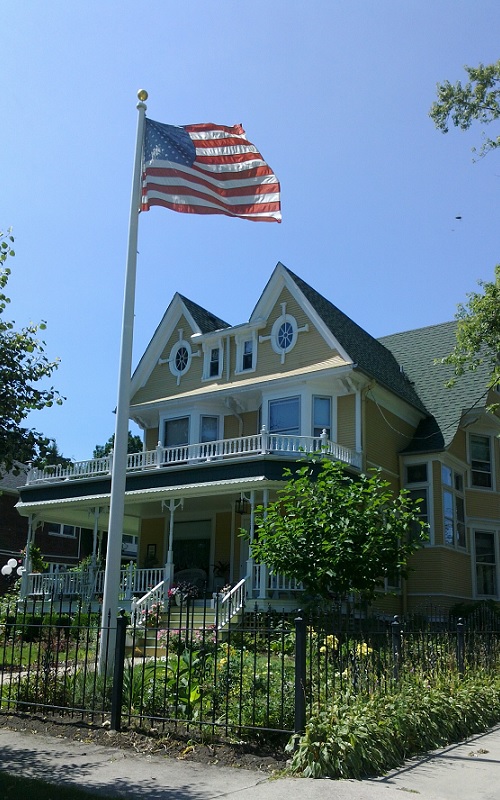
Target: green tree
23, 365
335, 533
478, 100
134, 446
478, 332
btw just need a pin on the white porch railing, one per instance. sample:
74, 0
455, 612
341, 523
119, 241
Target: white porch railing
274, 583
231, 604
89, 586
142, 605
161, 457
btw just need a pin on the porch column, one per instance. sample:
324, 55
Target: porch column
168, 573
250, 574
27, 559
97, 512
263, 567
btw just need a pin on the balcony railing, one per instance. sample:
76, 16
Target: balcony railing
222, 449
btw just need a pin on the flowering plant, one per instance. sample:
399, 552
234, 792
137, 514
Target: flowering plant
150, 616
185, 589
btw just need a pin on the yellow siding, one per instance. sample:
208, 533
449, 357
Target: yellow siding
222, 537
152, 437
161, 382
346, 421
309, 349
482, 504
385, 436
250, 421
152, 532
458, 447
440, 570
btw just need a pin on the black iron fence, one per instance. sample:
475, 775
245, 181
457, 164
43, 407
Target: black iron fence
263, 672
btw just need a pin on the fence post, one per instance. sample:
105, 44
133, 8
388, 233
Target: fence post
461, 646
119, 666
396, 647
300, 674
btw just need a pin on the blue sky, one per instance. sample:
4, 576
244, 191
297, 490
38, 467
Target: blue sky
335, 94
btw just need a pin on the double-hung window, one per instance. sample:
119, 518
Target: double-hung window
209, 429
486, 563
417, 481
453, 507
214, 365
176, 432
480, 460
284, 416
322, 416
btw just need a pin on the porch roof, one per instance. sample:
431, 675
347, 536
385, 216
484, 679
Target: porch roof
76, 509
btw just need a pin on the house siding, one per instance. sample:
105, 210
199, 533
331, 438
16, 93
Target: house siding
309, 349
385, 436
437, 572
346, 421
161, 382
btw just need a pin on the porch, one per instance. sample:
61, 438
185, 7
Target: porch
241, 447
142, 589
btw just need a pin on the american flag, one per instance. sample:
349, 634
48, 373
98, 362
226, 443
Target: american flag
207, 169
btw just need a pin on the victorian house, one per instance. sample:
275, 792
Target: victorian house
225, 408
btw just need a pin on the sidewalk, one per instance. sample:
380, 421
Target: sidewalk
468, 770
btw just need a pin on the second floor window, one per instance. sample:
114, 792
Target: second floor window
284, 416
247, 358
214, 367
480, 460
453, 507
176, 432
322, 416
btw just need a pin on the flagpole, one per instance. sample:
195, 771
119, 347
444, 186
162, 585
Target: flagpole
119, 467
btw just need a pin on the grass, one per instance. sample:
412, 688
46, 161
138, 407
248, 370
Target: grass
12, 786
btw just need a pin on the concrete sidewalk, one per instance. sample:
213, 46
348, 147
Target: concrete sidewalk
467, 770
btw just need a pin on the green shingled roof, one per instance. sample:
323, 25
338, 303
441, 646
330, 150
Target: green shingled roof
368, 354
405, 364
417, 351
206, 321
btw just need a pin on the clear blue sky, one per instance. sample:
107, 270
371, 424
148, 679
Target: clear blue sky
334, 93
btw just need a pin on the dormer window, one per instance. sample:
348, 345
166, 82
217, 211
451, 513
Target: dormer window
214, 362
212, 359
180, 357
247, 361
246, 353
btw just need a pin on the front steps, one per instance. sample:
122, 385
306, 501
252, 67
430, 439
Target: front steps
196, 617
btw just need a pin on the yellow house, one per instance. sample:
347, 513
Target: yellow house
225, 408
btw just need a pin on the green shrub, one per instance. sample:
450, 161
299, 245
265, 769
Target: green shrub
362, 736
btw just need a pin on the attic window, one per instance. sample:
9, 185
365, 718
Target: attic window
180, 358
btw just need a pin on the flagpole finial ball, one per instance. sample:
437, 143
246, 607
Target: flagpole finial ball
142, 95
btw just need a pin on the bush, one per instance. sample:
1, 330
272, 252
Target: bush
359, 736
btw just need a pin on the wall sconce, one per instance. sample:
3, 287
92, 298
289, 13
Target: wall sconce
242, 506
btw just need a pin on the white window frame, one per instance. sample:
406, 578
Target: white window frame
173, 352
485, 529
61, 533
200, 426
423, 486
491, 462
163, 423
240, 340
451, 489
208, 346
329, 426
282, 400
282, 319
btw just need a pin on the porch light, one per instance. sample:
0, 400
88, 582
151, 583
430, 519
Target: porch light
242, 506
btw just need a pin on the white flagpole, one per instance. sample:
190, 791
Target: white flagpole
119, 468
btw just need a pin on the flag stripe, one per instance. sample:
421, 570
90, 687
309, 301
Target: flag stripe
207, 169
